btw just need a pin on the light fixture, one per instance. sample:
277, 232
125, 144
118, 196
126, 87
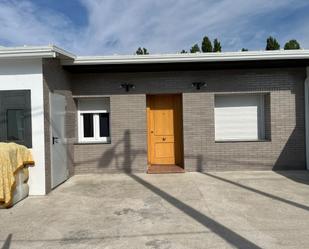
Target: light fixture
198, 85
127, 86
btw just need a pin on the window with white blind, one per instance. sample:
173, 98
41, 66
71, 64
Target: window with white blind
239, 117
93, 120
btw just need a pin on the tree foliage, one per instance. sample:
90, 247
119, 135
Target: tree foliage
272, 44
217, 46
141, 51
183, 51
244, 50
195, 49
292, 44
206, 45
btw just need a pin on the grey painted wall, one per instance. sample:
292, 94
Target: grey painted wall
128, 149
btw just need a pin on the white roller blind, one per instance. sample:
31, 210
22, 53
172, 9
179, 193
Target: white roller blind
238, 117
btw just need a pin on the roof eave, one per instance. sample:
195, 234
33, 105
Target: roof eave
28, 55
35, 52
179, 58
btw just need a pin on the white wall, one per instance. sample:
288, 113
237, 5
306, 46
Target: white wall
27, 75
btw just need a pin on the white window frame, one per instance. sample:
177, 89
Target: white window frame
261, 118
96, 127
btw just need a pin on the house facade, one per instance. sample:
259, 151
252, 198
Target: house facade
202, 112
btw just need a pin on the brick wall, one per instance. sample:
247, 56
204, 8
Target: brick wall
128, 149
56, 80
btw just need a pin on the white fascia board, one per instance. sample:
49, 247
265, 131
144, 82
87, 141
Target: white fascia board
34, 52
27, 52
198, 57
63, 53
16, 55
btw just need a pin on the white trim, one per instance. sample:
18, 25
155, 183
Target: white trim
90, 96
30, 55
190, 57
306, 89
68, 58
93, 111
96, 129
63, 52
34, 52
96, 126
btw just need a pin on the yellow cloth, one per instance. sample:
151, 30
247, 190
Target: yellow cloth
12, 158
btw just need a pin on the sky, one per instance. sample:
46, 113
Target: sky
106, 27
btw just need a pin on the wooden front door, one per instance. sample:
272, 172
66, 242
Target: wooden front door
165, 129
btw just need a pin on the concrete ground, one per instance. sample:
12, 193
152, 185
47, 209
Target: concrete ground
192, 210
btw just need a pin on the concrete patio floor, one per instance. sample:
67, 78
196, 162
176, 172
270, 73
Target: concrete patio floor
192, 210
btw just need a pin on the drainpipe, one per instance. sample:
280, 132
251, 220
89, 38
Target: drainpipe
306, 88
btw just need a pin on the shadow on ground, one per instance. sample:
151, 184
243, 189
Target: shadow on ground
7, 242
256, 191
125, 157
302, 178
128, 156
228, 235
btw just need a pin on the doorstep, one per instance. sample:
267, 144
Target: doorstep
164, 169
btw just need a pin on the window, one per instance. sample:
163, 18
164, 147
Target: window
15, 125
88, 124
93, 120
15, 117
104, 124
239, 117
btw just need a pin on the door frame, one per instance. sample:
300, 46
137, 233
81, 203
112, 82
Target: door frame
180, 144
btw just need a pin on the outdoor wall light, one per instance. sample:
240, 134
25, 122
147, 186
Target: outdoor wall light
127, 86
198, 85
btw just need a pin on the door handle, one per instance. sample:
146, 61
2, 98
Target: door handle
164, 139
55, 140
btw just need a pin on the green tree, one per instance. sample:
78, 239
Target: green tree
292, 44
206, 45
195, 49
141, 51
183, 51
272, 44
217, 46
244, 50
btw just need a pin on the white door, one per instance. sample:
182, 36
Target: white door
59, 168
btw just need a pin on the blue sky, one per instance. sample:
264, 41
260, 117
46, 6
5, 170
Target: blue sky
104, 27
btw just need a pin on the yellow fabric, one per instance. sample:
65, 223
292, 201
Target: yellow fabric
12, 158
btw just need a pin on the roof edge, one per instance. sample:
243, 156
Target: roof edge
69, 59
35, 52
197, 57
